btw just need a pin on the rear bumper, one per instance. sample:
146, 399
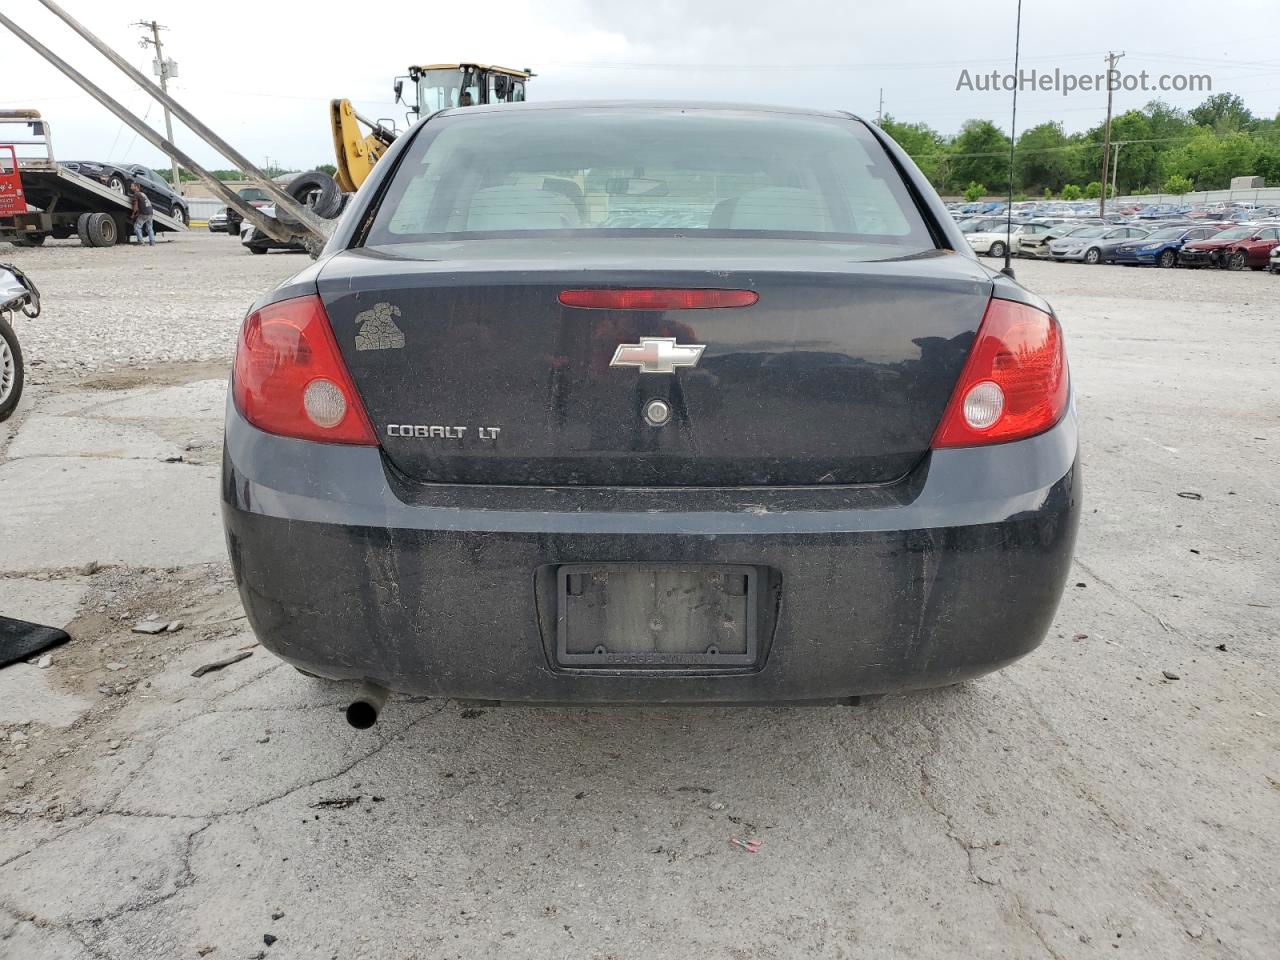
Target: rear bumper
444, 590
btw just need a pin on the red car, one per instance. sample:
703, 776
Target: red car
1233, 249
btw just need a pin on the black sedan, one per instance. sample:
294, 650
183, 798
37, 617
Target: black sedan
649, 403
119, 176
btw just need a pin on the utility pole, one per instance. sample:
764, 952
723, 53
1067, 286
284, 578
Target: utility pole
880, 109
163, 68
1112, 57
1115, 165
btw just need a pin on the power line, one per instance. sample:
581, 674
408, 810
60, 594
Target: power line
1112, 57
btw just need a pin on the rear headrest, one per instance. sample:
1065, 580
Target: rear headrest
780, 208
521, 207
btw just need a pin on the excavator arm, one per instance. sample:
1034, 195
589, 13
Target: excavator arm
355, 152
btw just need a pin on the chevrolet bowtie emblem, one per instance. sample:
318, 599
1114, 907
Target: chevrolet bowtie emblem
657, 355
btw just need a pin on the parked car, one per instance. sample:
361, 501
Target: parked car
995, 242
1156, 211
256, 197
218, 222
1234, 248
496, 444
1273, 265
980, 224
119, 176
1094, 244
1037, 245
1161, 246
258, 242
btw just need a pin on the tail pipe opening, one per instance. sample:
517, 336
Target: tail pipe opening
364, 710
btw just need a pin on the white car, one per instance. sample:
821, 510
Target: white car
1273, 264
995, 242
258, 242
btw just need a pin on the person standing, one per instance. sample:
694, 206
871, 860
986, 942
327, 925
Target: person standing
142, 214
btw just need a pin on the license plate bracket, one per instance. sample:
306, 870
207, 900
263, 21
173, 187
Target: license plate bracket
654, 615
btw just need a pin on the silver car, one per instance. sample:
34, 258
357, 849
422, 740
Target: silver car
1094, 244
1037, 245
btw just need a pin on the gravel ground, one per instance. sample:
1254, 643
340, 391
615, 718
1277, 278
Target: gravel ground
130, 306
1081, 804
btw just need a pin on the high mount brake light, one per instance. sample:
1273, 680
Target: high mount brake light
289, 378
1015, 382
657, 299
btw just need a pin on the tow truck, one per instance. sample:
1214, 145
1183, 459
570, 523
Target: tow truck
41, 198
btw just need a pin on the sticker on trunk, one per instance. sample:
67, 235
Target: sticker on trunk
378, 331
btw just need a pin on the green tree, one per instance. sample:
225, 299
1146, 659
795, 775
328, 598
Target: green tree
1070, 192
328, 168
1266, 134
1210, 160
1084, 159
1042, 158
1178, 185
974, 191
980, 154
1138, 160
921, 142
1224, 112
1166, 122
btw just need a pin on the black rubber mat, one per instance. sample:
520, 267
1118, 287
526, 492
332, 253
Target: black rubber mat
20, 640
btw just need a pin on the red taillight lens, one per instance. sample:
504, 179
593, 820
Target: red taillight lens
657, 299
289, 377
1014, 383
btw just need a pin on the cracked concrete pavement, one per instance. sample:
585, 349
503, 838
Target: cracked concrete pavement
1075, 805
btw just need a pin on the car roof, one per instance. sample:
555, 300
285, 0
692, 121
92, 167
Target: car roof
669, 105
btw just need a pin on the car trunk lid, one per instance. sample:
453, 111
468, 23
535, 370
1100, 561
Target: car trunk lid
473, 371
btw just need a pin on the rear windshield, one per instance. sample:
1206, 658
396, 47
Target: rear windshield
637, 172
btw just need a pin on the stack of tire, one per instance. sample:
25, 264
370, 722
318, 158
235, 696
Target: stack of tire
94, 230
101, 229
318, 191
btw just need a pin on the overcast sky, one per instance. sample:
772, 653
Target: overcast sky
262, 74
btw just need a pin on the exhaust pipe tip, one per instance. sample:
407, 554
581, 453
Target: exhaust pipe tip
364, 710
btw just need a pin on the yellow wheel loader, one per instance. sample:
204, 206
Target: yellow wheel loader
438, 86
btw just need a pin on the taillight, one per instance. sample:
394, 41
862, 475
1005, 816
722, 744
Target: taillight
657, 299
289, 377
1013, 385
